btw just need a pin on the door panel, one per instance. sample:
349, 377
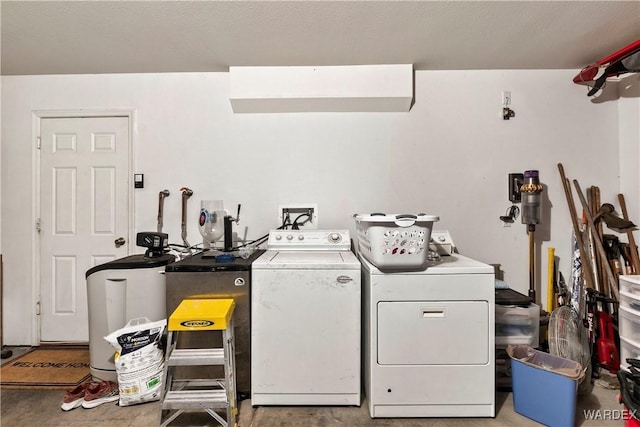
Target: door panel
433, 332
305, 331
84, 205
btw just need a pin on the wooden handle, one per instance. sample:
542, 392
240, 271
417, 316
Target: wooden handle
632, 243
551, 260
613, 283
587, 269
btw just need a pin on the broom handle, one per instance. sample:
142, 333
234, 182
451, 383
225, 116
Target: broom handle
532, 281
587, 270
550, 276
632, 242
613, 283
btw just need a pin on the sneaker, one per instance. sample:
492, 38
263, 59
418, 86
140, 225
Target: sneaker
99, 393
74, 397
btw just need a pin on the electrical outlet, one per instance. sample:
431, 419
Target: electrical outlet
306, 215
506, 98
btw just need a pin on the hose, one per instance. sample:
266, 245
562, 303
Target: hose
161, 197
186, 193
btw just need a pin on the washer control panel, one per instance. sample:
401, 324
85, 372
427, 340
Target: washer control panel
300, 240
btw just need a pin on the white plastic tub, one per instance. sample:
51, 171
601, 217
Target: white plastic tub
628, 350
629, 324
517, 325
630, 285
395, 242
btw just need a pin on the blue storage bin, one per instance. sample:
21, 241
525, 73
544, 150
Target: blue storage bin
544, 386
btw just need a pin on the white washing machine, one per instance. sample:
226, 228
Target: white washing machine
305, 320
429, 340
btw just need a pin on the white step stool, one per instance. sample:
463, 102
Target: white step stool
200, 394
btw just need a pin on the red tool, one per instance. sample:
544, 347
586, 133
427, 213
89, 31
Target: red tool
625, 60
606, 349
608, 355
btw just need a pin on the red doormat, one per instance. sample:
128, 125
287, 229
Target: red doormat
47, 367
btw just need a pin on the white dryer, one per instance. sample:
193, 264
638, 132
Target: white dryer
429, 340
306, 320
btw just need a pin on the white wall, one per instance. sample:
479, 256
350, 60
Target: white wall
450, 156
629, 111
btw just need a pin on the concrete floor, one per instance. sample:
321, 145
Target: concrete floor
42, 408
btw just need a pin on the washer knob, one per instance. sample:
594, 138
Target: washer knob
300, 237
289, 237
278, 237
442, 239
335, 237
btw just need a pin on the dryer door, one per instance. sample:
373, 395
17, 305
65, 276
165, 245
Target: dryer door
433, 332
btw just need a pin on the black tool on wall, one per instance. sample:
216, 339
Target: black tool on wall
515, 182
512, 213
228, 230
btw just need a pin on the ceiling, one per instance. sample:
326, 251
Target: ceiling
92, 37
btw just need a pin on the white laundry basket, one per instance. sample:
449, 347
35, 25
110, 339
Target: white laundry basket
395, 242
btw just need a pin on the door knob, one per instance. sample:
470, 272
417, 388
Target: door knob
119, 242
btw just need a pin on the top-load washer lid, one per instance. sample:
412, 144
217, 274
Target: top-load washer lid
307, 260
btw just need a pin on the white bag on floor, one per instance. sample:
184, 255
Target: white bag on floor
139, 360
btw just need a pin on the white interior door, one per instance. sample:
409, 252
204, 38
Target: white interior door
84, 204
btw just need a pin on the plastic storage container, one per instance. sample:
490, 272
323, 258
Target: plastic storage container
544, 386
630, 285
629, 319
629, 300
628, 350
630, 292
395, 242
517, 325
629, 324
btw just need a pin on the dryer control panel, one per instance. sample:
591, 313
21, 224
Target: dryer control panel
306, 240
442, 243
